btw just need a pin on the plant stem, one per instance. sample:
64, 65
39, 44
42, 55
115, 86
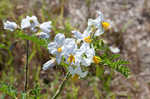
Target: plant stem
26, 67
61, 86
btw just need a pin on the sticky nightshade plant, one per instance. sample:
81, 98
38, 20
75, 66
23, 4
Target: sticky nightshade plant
82, 51
30, 29
76, 53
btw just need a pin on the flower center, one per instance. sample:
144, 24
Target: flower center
59, 50
87, 39
96, 59
75, 77
71, 59
105, 25
31, 21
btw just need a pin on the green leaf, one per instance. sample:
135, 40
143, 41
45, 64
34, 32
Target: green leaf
23, 95
41, 42
114, 56
2, 46
118, 66
8, 89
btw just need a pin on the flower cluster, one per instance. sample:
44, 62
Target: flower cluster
31, 24
78, 52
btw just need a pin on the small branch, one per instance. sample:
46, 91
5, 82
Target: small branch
61, 86
26, 67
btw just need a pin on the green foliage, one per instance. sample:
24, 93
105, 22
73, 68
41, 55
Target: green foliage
2, 46
5, 4
118, 65
97, 92
111, 60
99, 70
60, 27
8, 90
35, 93
32, 38
23, 95
74, 92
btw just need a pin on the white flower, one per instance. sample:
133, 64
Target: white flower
10, 25
46, 27
89, 54
72, 53
85, 36
29, 22
70, 48
77, 71
43, 35
99, 23
84, 47
57, 47
70, 45
114, 49
49, 64
77, 35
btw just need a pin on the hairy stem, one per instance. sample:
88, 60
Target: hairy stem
61, 86
27, 65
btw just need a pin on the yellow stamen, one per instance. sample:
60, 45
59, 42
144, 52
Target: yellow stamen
75, 77
105, 25
71, 59
31, 21
59, 50
87, 39
96, 59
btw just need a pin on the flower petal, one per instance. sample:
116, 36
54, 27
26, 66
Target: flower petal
10, 25
46, 27
59, 39
83, 74
99, 32
58, 58
43, 35
25, 23
77, 34
49, 64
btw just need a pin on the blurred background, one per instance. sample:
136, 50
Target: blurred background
130, 33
